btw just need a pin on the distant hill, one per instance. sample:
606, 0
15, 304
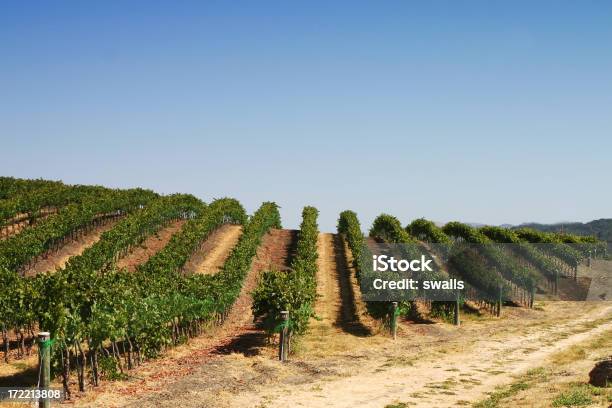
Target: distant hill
602, 228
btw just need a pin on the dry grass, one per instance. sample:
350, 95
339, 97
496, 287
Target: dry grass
560, 383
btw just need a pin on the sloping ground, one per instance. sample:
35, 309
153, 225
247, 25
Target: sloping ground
276, 250
600, 275
561, 381
575, 290
347, 261
429, 365
332, 307
139, 255
215, 250
378, 247
591, 284
180, 370
59, 259
151, 245
340, 321
457, 372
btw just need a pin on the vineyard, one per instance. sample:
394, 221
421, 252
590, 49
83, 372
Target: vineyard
127, 282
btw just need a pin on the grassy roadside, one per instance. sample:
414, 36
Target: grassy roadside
561, 383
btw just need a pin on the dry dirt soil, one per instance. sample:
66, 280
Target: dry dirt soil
215, 250
58, 259
151, 245
238, 335
342, 362
346, 359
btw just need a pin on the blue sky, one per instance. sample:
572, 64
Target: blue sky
480, 111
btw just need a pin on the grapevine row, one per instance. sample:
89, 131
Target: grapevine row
507, 265
527, 251
484, 283
11, 186
53, 195
19, 250
102, 313
481, 283
555, 245
293, 290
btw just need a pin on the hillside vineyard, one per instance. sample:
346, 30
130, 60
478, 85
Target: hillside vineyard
125, 296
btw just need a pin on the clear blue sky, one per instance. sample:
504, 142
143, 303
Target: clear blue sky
480, 111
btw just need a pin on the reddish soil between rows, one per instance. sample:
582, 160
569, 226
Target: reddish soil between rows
59, 259
237, 334
152, 245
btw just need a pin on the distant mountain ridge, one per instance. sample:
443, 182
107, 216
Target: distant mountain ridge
601, 228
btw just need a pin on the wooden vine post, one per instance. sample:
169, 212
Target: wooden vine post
5, 342
457, 307
283, 349
499, 300
394, 320
44, 366
589, 260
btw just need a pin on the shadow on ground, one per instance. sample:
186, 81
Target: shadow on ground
347, 318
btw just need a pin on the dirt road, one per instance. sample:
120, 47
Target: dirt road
439, 379
435, 365
429, 365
